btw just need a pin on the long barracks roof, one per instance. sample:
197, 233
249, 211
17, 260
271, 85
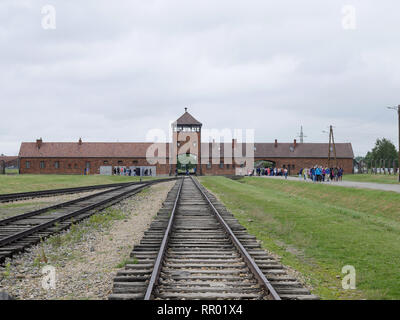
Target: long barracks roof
84, 150
302, 150
285, 150
138, 150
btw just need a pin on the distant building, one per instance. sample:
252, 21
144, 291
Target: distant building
9, 161
206, 158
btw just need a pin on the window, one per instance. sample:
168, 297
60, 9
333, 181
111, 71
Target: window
209, 165
42, 165
221, 165
105, 162
69, 166
27, 164
227, 166
293, 166
57, 164
120, 162
75, 166
134, 161
87, 165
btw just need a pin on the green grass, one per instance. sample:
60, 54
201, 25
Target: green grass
11, 171
126, 261
318, 229
376, 178
61, 243
31, 182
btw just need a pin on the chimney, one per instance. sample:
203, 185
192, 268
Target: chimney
276, 143
80, 141
294, 143
39, 143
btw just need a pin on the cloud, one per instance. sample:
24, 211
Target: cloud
114, 71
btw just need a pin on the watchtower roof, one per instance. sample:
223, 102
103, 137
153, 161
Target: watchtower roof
187, 119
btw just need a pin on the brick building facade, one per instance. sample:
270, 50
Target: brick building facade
161, 158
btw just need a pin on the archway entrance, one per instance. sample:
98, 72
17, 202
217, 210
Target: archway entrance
186, 163
264, 164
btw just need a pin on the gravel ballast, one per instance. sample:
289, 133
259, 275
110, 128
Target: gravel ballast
86, 257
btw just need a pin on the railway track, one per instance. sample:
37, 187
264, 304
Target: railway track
9, 197
20, 231
196, 249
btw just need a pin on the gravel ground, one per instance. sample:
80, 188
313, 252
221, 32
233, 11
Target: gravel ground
347, 184
9, 209
86, 258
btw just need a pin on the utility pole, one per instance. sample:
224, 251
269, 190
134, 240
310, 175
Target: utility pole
2, 167
332, 147
301, 135
398, 112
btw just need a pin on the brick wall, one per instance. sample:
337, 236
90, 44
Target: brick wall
216, 170
78, 165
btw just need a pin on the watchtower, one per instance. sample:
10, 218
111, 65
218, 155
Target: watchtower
186, 143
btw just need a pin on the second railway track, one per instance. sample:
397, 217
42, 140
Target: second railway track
196, 249
9, 197
20, 231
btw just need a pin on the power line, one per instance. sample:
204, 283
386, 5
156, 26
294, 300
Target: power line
301, 135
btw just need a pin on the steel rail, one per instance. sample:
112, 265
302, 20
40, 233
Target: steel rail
158, 264
67, 203
44, 225
242, 250
7, 197
60, 205
23, 234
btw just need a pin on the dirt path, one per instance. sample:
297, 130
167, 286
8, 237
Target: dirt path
348, 184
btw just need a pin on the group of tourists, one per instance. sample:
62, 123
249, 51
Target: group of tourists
321, 174
316, 173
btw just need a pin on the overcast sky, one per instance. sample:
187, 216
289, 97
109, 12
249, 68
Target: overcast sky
112, 70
